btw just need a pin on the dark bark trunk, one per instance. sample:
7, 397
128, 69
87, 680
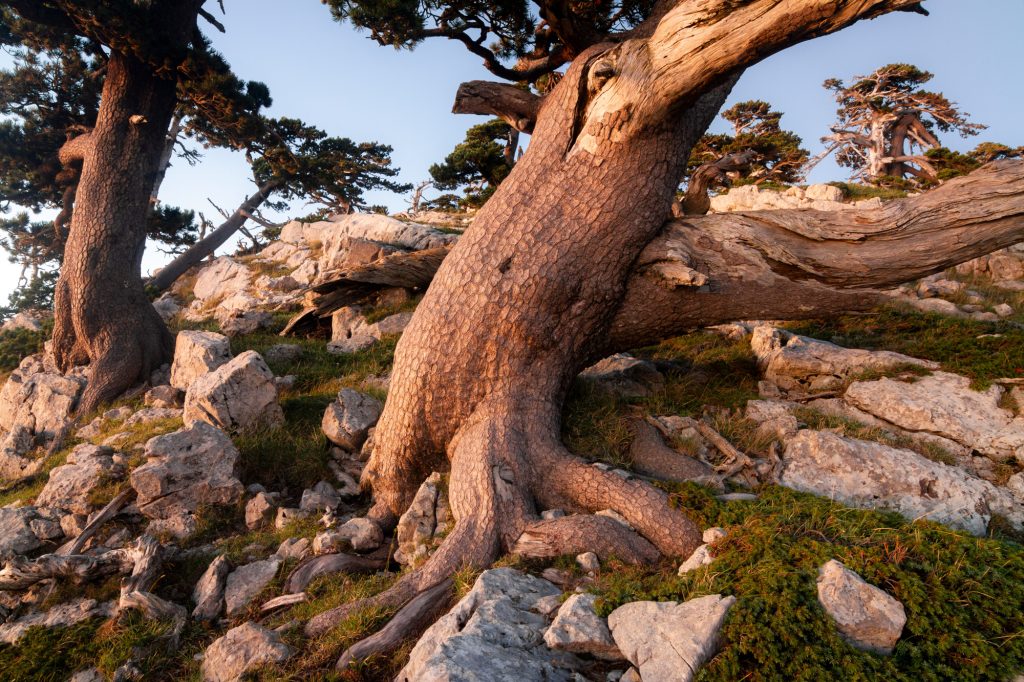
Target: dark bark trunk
102, 312
211, 242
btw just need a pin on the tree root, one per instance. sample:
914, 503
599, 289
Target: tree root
585, 533
310, 569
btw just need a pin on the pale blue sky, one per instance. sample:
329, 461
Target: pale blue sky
338, 79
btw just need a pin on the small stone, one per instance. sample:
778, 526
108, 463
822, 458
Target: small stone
1002, 310
164, 396
589, 562
551, 514
243, 649
577, 628
700, 557
631, 675
259, 511
713, 535
320, 498
246, 582
294, 548
614, 516
361, 534
286, 515
282, 353
348, 419
866, 616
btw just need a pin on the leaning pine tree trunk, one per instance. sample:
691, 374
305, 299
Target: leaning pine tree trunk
529, 295
103, 315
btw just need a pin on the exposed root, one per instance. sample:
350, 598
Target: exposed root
652, 457
585, 533
310, 569
411, 620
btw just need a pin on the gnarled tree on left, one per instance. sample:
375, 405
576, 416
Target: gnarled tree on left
153, 51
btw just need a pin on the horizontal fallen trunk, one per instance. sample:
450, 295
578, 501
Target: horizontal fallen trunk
20, 573
784, 264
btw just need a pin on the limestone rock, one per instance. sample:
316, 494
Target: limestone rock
866, 616
243, 649
426, 517
589, 562
870, 475
361, 534
246, 582
238, 396
802, 364
68, 486
945, 404
700, 557
220, 279
578, 629
320, 498
348, 419
187, 469
197, 353
16, 535
283, 352
669, 641
164, 396
625, 376
494, 633
208, 594
259, 511
294, 548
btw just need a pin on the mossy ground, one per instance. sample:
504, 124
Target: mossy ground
964, 596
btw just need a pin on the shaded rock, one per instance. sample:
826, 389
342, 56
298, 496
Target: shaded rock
294, 548
494, 633
238, 396
240, 323
68, 487
208, 594
197, 353
348, 419
167, 306
259, 511
944, 404
320, 498
164, 396
669, 641
353, 344
802, 364
16, 535
247, 648
774, 417
62, 615
866, 616
578, 629
286, 515
361, 534
425, 518
392, 324
589, 562
625, 376
187, 469
870, 475
245, 582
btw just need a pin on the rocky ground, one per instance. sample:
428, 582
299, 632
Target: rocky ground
860, 480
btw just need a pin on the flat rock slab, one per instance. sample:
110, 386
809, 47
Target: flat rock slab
245, 582
494, 634
871, 475
669, 641
866, 616
246, 648
944, 404
68, 486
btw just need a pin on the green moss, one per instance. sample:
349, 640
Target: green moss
963, 595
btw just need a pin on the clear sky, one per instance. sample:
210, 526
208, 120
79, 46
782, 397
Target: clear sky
337, 78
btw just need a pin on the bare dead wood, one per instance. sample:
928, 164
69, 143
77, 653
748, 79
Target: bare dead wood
284, 600
411, 619
711, 175
312, 568
109, 511
20, 573
515, 106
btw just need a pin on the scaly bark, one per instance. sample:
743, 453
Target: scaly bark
530, 292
